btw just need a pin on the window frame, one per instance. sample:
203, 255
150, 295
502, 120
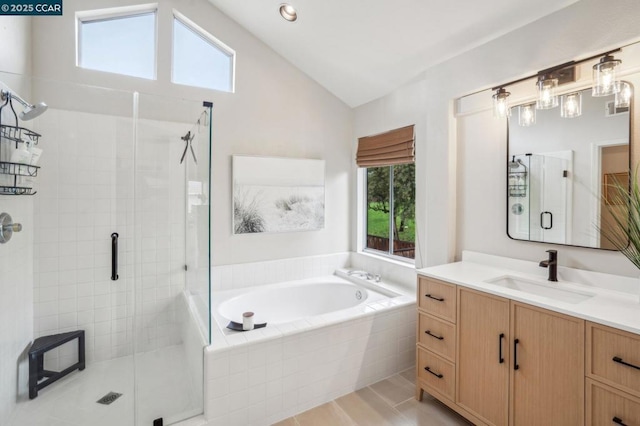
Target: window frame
102, 15
207, 37
363, 220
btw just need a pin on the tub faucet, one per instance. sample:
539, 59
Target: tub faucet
552, 264
365, 275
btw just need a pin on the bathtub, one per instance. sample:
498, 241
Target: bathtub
325, 337
292, 301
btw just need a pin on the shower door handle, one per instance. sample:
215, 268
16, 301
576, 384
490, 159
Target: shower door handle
542, 220
114, 256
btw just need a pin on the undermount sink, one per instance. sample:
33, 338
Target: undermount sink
538, 288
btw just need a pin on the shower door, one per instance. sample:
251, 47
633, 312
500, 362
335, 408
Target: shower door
548, 203
171, 215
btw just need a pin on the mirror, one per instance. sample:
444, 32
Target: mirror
557, 170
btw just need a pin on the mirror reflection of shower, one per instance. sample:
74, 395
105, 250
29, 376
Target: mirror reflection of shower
539, 195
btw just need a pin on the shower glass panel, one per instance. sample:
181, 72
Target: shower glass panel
84, 195
172, 243
110, 164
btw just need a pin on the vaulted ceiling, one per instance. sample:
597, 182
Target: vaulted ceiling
361, 50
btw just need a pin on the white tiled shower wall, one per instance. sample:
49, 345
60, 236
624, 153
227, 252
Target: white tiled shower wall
16, 303
86, 192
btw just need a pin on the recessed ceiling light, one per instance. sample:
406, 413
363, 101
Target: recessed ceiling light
288, 12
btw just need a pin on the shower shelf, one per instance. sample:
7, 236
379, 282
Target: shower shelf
18, 169
517, 190
19, 134
16, 190
517, 184
11, 185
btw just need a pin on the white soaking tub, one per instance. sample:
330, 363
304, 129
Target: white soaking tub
291, 301
325, 337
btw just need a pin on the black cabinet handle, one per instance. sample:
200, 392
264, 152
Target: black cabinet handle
433, 335
438, 375
114, 256
620, 361
515, 354
434, 298
500, 358
618, 421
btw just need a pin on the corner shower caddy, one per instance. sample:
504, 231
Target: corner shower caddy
17, 135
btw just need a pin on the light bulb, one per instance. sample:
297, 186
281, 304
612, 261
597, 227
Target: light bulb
527, 115
604, 76
623, 95
571, 105
547, 97
501, 104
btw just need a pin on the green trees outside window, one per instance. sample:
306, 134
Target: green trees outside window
391, 194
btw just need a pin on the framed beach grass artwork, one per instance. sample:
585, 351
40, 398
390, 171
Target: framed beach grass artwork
277, 194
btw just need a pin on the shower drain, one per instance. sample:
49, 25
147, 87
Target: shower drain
109, 398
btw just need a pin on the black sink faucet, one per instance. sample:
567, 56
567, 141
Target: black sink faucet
552, 264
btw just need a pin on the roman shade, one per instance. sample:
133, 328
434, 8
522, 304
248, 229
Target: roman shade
386, 149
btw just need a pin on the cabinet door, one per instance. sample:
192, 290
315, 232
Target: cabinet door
547, 371
483, 375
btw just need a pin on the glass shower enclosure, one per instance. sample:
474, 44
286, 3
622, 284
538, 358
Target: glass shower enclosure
136, 166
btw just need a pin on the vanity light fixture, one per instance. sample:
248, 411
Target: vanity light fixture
604, 76
548, 80
288, 12
571, 105
623, 95
547, 96
501, 103
527, 115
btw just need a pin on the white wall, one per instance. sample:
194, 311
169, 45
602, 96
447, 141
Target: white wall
15, 55
276, 111
456, 177
16, 304
16, 257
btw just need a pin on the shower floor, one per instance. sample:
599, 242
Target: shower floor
163, 386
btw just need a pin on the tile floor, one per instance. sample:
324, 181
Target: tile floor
388, 402
72, 400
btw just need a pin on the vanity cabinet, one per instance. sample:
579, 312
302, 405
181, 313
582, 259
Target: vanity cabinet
514, 364
436, 340
483, 357
613, 376
547, 376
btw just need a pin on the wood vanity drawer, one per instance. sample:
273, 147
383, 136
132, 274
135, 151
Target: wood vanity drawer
438, 336
436, 372
613, 356
437, 298
604, 404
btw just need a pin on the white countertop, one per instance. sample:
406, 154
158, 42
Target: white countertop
615, 302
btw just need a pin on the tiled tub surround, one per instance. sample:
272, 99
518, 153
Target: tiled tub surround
265, 375
227, 277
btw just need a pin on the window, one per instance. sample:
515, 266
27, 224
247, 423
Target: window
199, 59
118, 42
390, 192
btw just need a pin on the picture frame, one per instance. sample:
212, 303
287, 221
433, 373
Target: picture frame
277, 194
